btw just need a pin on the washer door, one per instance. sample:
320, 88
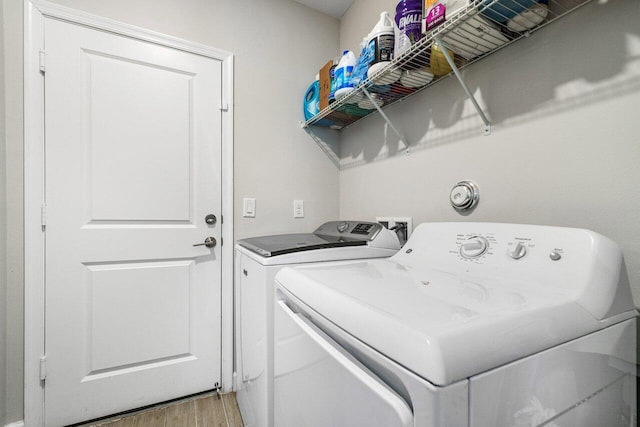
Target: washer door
317, 383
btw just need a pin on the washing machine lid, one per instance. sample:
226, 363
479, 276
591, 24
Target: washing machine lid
333, 234
447, 318
291, 243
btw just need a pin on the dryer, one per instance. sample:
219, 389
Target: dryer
470, 324
258, 259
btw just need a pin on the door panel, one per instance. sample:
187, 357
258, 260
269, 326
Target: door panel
133, 145
318, 383
151, 146
122, 341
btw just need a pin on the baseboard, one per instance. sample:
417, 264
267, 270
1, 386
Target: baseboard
15, 424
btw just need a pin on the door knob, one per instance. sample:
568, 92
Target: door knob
209, 242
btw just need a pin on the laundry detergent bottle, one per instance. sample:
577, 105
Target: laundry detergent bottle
311, 102
381, 43
343, 73
409, 22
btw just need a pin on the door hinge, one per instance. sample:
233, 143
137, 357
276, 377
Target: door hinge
224, 106
42, 62
43, 215
43, 368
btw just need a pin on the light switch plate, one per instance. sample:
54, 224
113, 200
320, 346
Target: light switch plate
249, 207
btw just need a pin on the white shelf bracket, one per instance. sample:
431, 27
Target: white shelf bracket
445, 51
386, 119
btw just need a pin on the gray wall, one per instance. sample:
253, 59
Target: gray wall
565, 145
3, 236
11, 206
279, 45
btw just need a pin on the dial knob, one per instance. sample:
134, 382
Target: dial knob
517, 250
474, 247
343, 226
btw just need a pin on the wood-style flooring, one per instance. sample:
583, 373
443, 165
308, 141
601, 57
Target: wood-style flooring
207, 410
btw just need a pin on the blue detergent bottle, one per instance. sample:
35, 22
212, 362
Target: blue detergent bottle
344, 70
311, 101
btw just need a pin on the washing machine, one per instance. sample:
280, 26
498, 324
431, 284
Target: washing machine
469, 324
258, 259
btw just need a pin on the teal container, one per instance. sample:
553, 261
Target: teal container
311, 102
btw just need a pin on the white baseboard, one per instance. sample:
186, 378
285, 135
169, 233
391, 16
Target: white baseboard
16, 424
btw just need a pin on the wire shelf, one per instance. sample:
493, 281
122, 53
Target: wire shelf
473, 33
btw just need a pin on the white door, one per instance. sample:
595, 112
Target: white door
133, 150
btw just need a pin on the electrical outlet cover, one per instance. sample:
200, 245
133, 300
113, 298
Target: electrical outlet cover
298, 208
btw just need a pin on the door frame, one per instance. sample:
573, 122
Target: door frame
35, 11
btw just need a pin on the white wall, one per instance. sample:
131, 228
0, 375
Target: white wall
565, 145
279, 45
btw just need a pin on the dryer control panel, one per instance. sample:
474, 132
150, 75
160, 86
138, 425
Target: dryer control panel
569, 260
476, 246
352, 230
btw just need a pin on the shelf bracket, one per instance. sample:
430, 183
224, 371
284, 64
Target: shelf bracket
445, 51
386, 119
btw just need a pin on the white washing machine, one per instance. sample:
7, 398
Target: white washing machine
258, 260
470, 324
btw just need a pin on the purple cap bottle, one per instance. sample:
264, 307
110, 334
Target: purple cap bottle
408, 20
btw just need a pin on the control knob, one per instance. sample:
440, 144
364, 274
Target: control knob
517, 250
343, 226
474, 247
